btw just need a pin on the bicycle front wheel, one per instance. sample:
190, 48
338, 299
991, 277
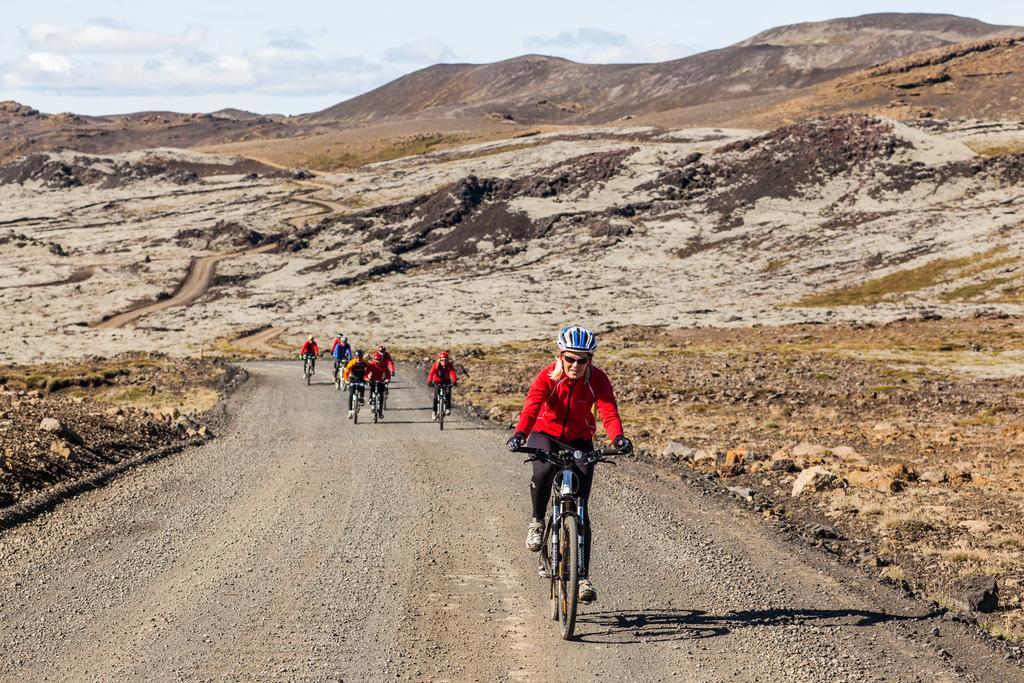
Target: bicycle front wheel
568, 576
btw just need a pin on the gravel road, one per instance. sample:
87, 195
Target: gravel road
298, 546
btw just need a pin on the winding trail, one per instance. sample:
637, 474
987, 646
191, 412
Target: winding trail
328, 207
298, 546
202, 270
260, 341
196, 282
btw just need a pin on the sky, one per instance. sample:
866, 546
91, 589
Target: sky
114, 56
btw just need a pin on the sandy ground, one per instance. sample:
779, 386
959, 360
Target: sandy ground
396, 553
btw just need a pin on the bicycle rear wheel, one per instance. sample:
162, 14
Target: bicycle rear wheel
568, 576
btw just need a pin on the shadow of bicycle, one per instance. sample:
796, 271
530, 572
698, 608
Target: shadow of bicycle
632, 627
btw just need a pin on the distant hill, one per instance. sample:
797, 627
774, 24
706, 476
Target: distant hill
983, 79
540, 89
761, 81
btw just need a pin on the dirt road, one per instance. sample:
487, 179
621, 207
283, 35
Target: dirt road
298, 546
196, 282
326, 207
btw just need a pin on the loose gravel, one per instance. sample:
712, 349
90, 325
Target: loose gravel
298, 546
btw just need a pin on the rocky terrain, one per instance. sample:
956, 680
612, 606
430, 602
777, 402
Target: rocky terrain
60, 421
846, 217
978, 79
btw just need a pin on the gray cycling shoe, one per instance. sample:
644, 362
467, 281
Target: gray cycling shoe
587, 592
535, 536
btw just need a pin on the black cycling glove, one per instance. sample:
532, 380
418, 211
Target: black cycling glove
624, 445
515, 442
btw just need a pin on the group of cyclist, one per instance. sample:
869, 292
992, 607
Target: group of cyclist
559, 410
356, 368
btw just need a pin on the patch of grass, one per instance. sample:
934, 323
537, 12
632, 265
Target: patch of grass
969, 292
894, 572
925, 276
986, 150
982, 419
491, 151
354, 157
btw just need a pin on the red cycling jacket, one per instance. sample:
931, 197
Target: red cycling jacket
310, 347
376, 372
385, 361
439, 374
565, 409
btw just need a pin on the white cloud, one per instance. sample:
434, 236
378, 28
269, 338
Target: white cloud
597, 46
582, 37
48, 63
103, 36
108, 59
423, 51
264, 70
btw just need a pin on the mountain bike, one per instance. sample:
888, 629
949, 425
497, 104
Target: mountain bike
377, 400
561, 553
307, 369
355, 387
443, 400
338, 374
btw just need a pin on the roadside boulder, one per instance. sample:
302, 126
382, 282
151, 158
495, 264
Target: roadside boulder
704, 458
933, 477
733, 463
814, 479
978, 594
742, 492
807, 450
677, 450
784, 465
52, 425
58, 428
878, 481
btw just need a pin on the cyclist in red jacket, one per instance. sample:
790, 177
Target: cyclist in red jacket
560, 405
383, 358
310, 349
443, 372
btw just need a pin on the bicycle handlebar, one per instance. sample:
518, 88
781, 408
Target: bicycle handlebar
567, 457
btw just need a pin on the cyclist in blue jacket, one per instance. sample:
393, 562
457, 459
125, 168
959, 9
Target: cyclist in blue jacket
341, 351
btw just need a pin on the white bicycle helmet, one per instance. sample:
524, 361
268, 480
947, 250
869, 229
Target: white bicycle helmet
576, 338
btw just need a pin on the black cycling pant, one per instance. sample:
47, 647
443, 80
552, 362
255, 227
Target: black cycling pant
447, 387
544, 476
353, 389
379, 386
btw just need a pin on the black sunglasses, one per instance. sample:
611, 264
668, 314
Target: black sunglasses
576, 360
